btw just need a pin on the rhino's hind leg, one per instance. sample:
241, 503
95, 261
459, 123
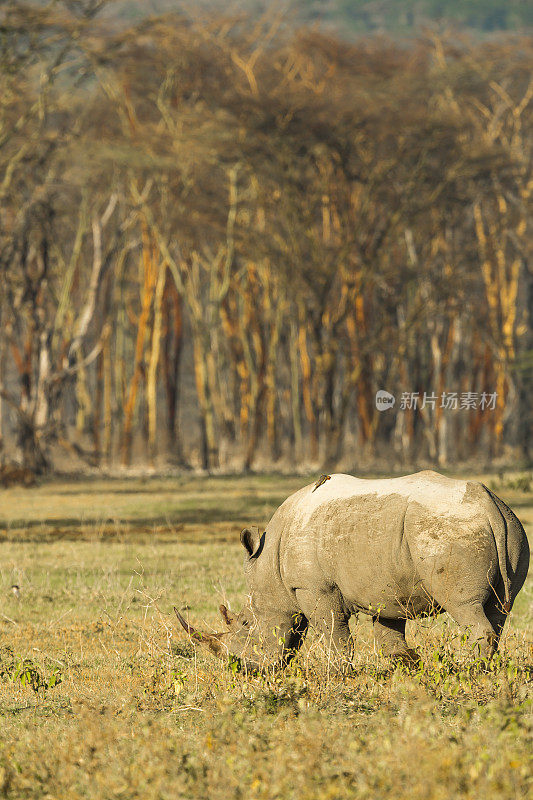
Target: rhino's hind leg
497, 616
483, 630
389, 636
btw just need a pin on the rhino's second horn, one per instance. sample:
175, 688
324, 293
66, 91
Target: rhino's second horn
212, 640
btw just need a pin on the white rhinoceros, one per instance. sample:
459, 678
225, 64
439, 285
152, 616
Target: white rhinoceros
394, 549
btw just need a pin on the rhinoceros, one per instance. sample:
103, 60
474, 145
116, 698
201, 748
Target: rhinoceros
392, 548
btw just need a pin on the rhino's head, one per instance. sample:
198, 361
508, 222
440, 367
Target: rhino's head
261, 635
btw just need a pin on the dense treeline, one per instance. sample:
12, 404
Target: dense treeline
390, 15
355, 17
294, 221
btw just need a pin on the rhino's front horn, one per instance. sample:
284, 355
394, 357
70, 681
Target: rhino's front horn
212, 640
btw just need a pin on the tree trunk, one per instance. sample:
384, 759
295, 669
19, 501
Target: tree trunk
270, 381
83, 398
31, 454
171, 359
209, 442
2, 373
107, 441
295, 392
305, 364
97, 415
150, 277
151, 381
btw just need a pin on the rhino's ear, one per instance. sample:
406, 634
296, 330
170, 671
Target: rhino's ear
252, 541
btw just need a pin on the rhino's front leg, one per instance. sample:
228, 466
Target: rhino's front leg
389, 636
328, 614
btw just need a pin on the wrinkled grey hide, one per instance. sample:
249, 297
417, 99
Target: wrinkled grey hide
393, 549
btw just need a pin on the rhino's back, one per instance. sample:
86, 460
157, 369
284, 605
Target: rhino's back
344, 501
428, 488
351, 532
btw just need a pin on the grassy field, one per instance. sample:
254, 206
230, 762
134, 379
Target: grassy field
101, 695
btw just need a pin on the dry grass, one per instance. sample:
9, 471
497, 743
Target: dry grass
101, 696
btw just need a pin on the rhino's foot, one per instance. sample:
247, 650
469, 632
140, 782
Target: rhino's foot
483, 632
407, 657
390, 641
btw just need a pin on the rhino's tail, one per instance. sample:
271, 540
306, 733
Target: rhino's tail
498, 523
